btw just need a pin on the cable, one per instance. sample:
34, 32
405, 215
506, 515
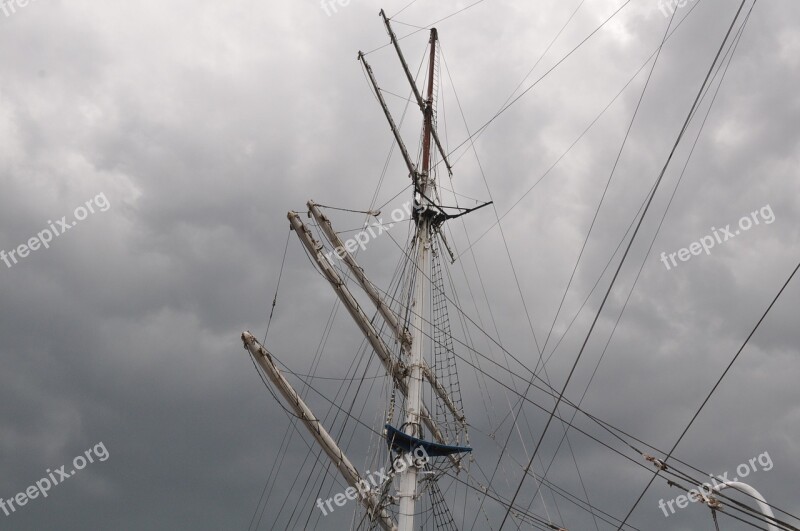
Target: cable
591, 417
630, 293
505, 107
624, 256
585, 131
719, 381
599, 422
422, 28
412, 2
277, 287
741, 6
511, 262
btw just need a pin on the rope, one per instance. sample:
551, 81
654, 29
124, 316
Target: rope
275, 298
714, 516
622, 261
367, 212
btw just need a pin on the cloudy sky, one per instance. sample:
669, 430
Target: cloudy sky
182, 132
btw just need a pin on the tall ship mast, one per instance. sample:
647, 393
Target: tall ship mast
420, 468
423, 443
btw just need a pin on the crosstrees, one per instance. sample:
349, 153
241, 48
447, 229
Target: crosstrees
396, 368
401, 333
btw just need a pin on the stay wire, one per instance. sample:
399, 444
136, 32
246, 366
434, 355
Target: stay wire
585, 131
277, 287
729, 502
423, 28
719, 381
547, 49
291, 415
551, 392
714, 516
562, 156
591, 227
601, 424
553, 487
608, 182
610, 429
627, 251
619, 317
514, 273
540, 350
503, 109
758, 517
583, 432
412, 2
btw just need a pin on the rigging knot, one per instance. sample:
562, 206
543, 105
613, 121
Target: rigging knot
658, 463
697, 495
406, 342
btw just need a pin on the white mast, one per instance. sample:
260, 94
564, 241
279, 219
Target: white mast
412, 427
408, 479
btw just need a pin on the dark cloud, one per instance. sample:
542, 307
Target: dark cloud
204, 123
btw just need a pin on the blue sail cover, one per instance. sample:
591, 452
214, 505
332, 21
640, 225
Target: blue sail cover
402, 442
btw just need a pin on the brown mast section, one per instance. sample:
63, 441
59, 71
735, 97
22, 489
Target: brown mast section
426, 133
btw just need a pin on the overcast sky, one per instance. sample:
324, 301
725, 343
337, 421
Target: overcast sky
191, 127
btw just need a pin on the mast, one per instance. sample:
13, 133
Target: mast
409, 368
408, 480
412, 170
414, 89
